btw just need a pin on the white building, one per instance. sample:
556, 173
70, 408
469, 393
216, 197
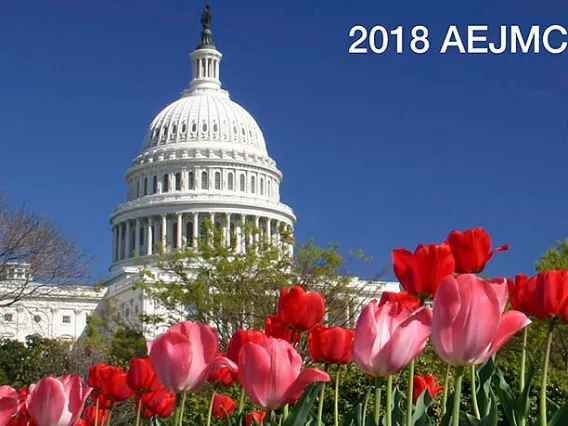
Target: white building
204, 157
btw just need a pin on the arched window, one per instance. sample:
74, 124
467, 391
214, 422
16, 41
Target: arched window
217, 180
190, 180
155, 185
178, 181
252, 184
242, 183
145, 186
166, 183
230, 182
261, 186
204, 183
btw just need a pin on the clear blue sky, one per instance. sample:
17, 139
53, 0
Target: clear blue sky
378, 151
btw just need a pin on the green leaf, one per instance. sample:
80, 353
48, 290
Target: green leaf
355, 416
420, 415
398, 414
484, 392
560, 418
300, 413
492, 418
506, 397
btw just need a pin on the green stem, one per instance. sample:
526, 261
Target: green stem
457, 397
210, 412
285, 412
474, 393
177, 411
336, 397
446, 389
97, 412
378, 390
320, 404
242, 401
410, 391
389, 401
109, 417
543, 421
182, 409
365, 405
523, 420
138, 411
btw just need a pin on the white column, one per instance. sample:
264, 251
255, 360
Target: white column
149, 237
164, 230
195, 228
228, 231
179, 230
136, 247
120, 245
269, 230
257, 230
128, 240
243, 233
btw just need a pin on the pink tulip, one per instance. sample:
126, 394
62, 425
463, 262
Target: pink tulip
8, 404
57, 401
270, 373
468, 325
185, 356
389, 336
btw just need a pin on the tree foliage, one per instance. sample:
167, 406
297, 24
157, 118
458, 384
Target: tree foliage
213, 283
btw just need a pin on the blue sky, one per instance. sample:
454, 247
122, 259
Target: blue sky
378, 151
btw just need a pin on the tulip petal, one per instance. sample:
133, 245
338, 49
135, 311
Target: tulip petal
365, 345
306, 377
447, 305
501, 289
47, 404
77, 393
171, 358
8, 404
211, 368
406, 342
255, 373
511, 322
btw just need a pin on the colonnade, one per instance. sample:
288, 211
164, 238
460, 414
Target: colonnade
172, 231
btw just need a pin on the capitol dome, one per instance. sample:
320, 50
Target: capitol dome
203, 157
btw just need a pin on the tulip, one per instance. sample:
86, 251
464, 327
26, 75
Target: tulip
522, 294
94, 417
222, 376
255, 418
223, 404
57, 401
186, 355
402, 298
331, 345
9, 402
551, 295
240, 338
23, 417
275, 327
158, 402
109, 385
471, 249
141, 376
422, 383
271, 373
387, 337
420, 272
468, 325
300, 309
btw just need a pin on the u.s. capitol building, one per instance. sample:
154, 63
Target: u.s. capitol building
204, 157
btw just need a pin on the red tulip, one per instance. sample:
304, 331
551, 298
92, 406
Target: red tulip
9, 403
23, 417
141, 376
275, 327
255, 418
186, 355
551, 294
158, 402
469, 325
109, 383
222, 376
299, 309
92, 414
421, 383
471, 249
405, 300
332, 345
522, 294
223, 404
57, 401
420, 273
271, 373
81, 422
239, 339
387, 337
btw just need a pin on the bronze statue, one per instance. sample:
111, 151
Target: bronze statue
206, 18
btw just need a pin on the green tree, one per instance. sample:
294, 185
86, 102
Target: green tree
555, 258
213, 283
